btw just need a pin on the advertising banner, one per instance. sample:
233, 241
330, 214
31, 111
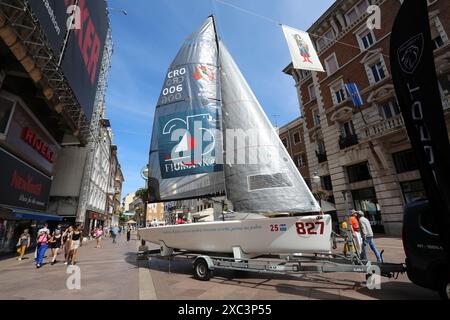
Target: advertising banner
416, 86
84, 52
52, 16
21, 185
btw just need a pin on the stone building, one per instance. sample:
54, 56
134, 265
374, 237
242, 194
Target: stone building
364, 153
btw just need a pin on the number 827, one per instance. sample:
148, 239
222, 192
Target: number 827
310, 228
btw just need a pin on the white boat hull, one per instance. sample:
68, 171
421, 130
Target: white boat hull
309, 234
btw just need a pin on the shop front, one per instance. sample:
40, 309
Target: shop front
94, 220
27, 157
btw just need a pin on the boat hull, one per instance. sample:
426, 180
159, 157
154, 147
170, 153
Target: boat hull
309, 234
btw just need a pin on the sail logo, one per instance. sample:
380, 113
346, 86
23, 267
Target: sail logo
188, 144
204, 73
410, 54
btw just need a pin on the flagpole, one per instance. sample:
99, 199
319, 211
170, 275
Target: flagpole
360, 108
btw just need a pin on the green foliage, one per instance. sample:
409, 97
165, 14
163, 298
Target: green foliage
143, 194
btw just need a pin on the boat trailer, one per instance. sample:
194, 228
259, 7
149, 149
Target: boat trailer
204, 265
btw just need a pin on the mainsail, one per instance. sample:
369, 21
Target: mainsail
211, 134
186, 140
268, 180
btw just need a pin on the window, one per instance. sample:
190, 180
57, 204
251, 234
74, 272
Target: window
357, 11
6, 111
300, 161
331, 64
312, 92
366, 39
304, 74
436, 37
413, 191
405, 161
347, 129
321, 146
338, 93
358, 172
390, 109
377, 70
285, 142
326, 39
316, 116
297, 138
326, 183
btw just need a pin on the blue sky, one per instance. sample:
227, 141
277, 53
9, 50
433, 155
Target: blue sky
148, 38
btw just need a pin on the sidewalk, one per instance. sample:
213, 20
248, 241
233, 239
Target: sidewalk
110, 272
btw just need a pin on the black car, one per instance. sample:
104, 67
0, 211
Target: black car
426, 263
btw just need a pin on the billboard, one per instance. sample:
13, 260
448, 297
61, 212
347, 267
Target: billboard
52, 17
83, 54
21, 185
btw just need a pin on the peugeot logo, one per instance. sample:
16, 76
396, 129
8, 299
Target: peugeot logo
410, 54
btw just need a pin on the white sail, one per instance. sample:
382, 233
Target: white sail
272, 183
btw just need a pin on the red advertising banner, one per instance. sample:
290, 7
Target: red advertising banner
21, 185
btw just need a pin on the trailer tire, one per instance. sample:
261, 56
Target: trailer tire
201, 270
444, 291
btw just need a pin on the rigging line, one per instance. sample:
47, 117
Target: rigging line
279, 23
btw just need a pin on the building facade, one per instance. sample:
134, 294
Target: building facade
41, 110
292, 135
364, 153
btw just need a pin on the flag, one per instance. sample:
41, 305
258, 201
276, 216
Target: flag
416, 86
354, 93
303, 53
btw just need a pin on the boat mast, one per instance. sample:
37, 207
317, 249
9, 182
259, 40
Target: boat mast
219, 68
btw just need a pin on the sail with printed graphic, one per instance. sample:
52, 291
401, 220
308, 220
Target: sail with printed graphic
186, 145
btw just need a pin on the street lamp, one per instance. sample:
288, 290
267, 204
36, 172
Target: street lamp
144, 175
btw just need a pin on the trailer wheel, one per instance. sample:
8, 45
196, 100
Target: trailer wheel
444, 292
201, 270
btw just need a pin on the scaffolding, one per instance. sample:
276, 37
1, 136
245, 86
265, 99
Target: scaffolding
26, 27
24, 24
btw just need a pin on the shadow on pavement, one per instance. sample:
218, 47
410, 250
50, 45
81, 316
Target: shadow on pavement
255, 280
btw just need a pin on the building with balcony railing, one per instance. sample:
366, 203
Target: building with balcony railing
367, 149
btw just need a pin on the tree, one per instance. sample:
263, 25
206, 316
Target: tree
143, 195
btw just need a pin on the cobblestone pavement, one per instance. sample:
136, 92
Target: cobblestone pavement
179, 283
110, 272
113, 272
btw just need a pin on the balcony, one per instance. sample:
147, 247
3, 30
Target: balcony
348, 141
384, 127
321, 156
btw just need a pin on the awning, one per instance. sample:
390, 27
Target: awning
38, 216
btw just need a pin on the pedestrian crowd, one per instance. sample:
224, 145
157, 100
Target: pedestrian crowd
362, 234
67, 240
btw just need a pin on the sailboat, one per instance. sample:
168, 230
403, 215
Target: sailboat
212, 138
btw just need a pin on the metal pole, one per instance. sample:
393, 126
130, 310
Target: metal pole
69, 31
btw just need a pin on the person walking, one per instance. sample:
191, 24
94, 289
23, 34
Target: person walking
42, 245
367, 237
114, 233
55, 244
67, 243
356, 232
23, 243
77, 242
128, 234
98, 236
